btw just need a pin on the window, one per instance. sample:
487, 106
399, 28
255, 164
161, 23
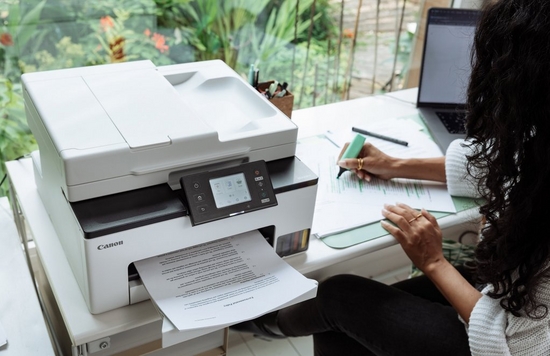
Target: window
326, 50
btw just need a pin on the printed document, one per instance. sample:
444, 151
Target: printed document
348, 202
222, 282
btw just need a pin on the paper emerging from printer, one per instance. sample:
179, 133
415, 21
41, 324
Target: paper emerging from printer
222, 282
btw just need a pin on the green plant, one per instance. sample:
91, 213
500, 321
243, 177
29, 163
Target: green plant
125, 30
324, 25
15, 137
118, 43
285, 42
261, 43
213, 27
21, 28
239, 32
284, 50
68, 54
282, 28
173, 16
321, 82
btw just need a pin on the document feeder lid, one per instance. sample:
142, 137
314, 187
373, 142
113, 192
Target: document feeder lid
134, 119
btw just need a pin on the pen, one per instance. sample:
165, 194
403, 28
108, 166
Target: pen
272, 87
283, 90
256, 77
382, 137
251, 75
352, 151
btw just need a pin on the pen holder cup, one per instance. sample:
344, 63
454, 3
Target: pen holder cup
284, 103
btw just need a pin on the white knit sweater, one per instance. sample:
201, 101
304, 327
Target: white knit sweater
492, 330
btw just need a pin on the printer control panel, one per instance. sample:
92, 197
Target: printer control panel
218, 194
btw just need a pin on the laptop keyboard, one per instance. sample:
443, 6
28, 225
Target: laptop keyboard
453, 120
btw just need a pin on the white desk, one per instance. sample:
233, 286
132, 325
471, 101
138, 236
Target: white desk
20, 312
142, 319
317, 120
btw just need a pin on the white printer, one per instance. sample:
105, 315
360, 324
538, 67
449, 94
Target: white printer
136, 161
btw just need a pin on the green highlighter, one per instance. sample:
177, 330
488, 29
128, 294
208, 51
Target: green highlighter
352, 151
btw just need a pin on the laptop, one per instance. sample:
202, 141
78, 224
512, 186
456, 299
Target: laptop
445, 72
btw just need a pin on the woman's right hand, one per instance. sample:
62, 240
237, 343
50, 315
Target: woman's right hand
375, 163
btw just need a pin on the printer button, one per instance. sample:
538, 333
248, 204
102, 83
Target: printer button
263, 195
202, 209
196, 185
199, 198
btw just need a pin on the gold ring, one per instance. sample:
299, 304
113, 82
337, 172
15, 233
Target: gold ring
359, 164
416, 217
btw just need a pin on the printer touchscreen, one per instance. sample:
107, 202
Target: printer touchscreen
230, 190
217, 194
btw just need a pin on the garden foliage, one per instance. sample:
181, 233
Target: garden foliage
276, 36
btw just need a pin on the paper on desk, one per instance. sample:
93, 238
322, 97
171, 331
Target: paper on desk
221, 282
348, 202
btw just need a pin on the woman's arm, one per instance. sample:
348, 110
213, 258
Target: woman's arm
458, 292
378, 164
419, 233
420, 237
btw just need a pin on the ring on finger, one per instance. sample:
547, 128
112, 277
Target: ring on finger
416, 217
359, 164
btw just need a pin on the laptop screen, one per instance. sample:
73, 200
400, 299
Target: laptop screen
446, 62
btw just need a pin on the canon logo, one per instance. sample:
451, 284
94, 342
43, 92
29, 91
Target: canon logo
106, 246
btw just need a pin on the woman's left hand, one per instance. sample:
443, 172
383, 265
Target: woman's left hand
418, 234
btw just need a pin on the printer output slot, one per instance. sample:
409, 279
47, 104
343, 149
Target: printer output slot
133, 274
267, 232
287, 244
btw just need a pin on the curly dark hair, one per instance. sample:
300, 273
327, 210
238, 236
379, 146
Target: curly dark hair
509, 124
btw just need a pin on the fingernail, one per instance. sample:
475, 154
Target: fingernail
342, 164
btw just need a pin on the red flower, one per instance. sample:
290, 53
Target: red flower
6, 39
106, 23
147, 32
160, 42
348, 33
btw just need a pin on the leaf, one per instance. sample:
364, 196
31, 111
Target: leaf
26, 28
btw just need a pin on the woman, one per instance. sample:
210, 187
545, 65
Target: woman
506, 161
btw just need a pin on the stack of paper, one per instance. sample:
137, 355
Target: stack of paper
347, 202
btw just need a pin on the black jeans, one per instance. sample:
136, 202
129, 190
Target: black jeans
352, 316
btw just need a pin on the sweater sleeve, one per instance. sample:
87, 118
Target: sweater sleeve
494, 331
459, 182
